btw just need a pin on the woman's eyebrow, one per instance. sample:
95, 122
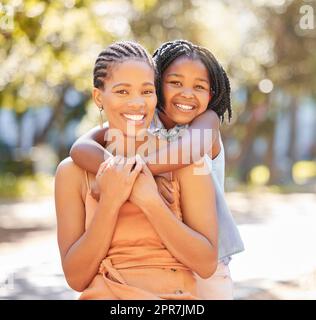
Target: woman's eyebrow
122, 84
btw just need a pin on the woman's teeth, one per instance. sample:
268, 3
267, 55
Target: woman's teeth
134, 117
184, 107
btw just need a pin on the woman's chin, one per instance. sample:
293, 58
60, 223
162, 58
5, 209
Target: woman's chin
136, 133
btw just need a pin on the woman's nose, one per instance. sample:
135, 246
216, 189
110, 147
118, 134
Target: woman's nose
136, 102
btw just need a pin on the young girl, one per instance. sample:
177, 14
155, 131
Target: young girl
193, 92
130, 244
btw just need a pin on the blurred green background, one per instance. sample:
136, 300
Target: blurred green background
47, 53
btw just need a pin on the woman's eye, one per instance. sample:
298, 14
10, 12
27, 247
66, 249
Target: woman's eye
122, 91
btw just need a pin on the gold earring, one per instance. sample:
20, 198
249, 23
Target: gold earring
101, 118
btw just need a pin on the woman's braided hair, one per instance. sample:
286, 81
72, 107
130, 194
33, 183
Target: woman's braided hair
220, 87
116, 53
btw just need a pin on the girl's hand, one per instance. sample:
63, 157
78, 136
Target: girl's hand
116, 177
145, 189
95, 192
165, 189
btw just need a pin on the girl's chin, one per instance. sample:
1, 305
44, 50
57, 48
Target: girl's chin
183, 119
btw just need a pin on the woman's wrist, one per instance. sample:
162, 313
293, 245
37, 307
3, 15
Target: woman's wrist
149, 202
110, 205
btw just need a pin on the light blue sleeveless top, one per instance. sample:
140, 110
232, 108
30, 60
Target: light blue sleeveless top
229, 239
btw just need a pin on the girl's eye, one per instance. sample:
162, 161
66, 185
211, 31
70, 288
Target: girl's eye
147, 92
176, 83
122, 91
200, 87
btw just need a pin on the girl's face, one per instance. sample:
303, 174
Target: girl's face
129, 96
186, 89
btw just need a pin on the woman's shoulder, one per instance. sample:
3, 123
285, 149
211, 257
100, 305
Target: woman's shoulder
68, 169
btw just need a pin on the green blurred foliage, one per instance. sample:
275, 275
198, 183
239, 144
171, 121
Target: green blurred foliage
52, 46
26, 186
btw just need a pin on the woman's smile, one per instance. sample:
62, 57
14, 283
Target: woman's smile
136, 119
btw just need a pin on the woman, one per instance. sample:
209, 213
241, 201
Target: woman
193, 92
130, 244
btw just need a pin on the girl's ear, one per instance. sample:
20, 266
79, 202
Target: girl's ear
211, 94
97, 97
210, 97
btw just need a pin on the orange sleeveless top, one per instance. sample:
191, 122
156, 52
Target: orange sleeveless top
138, 266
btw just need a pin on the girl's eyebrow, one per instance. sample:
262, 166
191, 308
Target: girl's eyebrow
129, 85
201, 79
174, 74
181, 76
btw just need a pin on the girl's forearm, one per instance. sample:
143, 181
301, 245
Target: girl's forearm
89, 155
189, 148
82, 260
188, 246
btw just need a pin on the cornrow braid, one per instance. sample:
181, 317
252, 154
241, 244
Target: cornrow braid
168, 52
116, 53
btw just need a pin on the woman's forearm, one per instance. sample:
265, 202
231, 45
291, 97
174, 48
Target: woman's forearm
188, 246
83, 258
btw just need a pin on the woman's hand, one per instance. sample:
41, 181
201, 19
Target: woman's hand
145, 189
165, 189
116, 177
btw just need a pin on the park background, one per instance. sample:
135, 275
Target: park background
47, 53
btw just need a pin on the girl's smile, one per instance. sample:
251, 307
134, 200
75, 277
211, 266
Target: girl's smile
186, 90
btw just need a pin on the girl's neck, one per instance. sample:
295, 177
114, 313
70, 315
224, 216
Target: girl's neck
166, 121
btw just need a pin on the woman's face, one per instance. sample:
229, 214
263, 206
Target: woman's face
186, 90
129, 97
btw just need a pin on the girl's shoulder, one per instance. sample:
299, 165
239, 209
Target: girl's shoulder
213, 118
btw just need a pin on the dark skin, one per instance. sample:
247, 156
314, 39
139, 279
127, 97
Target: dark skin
125, 185
185, 84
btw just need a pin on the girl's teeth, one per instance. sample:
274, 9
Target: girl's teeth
185, 107
134, 117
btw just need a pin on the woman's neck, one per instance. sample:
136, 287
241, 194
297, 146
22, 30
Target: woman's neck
166, 121
121, 144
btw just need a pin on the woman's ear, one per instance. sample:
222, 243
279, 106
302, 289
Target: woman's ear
97, 97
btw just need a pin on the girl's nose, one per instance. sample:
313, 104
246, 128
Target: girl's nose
187, 93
